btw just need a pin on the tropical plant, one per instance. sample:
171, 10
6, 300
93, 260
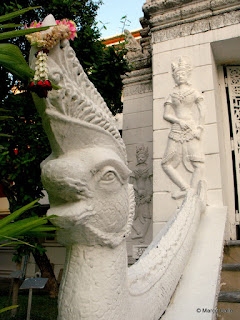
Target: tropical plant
12, 232
11, 57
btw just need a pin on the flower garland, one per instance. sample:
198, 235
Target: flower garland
44, 41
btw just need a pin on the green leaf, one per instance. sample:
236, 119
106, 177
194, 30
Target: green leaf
5, 135
17, 213
4, 110
5, 117
19, 33
10, 25
55, 87
8, 308
12, 59
12, 52
15, 14
20, 227
12, 243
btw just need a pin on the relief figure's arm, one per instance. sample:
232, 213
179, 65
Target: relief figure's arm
202, 111
170, 117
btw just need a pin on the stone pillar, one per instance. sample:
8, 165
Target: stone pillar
137, 123
204, 31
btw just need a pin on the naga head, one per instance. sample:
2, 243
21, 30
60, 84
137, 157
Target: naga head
86, 176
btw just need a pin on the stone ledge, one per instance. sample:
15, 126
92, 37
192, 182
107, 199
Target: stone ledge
235, 243
172, 9
183, 18
231, 267
138, 88
229, 296
190, 28
137, 76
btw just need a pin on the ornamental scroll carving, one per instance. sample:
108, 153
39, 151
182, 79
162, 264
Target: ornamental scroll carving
184, 109
141, 179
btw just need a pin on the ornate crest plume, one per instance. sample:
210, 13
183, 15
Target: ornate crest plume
76, 109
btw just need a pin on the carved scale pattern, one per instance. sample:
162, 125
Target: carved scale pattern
77, 98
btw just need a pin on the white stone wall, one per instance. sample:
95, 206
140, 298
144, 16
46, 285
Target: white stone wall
138, 130
137, 124
206, 79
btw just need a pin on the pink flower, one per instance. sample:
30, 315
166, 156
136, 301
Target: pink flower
35, 24
71, 25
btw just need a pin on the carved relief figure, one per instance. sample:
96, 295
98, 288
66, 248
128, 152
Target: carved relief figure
184, 140
141, 179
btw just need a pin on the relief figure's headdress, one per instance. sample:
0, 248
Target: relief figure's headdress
181, 63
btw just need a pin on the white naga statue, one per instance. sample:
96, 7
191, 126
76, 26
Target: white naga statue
185, 110
86, 177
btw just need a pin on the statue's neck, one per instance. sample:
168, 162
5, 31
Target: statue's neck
94, 283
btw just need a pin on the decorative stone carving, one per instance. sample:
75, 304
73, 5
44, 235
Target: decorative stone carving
138, 88
141, 179
135, 56
184, 140
172, 19
87, 180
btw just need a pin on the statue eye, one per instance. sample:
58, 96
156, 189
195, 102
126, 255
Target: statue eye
108, 176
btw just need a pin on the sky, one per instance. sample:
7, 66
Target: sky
112, 11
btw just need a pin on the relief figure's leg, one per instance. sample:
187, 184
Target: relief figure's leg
197, 174
170, 162
196, 158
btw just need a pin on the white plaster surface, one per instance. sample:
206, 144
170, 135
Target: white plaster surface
199, 284
138, 119
202, 78
158, 109
163, 206
157, 227
210, 139
137, 103
215, 197
210, 101
161, 85
138, 135
160, 180
213, 171
160, 138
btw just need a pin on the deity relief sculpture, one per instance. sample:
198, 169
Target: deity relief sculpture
184, 140
141, 179
86, 177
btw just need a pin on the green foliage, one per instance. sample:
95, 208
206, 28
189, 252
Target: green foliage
43, 308
109, 84
11, 233
20, 162
11, 57
8, 308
